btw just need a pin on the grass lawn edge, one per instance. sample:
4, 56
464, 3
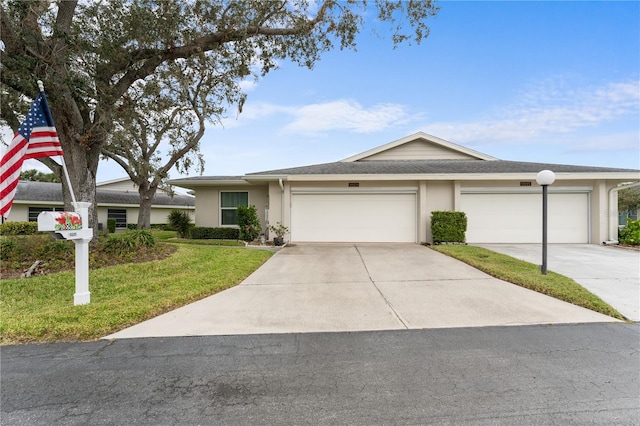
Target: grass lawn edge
527, 275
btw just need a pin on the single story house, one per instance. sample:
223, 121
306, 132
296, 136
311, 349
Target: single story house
387, 194
118, 199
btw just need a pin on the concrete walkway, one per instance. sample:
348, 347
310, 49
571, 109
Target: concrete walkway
357, 287
611, 273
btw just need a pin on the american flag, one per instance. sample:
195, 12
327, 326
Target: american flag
36, 137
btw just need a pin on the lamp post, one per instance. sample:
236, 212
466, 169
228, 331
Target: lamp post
544, 179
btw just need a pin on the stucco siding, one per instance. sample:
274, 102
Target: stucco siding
208, 203
418, 150
439, 196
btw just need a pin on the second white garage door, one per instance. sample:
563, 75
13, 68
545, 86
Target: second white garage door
353, 217
517, 218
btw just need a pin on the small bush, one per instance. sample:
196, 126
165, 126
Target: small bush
448, 227
180, 222
19, 228
128, 242
132, 226
630, 234
248, 223
204, 233
111, 226
7, 248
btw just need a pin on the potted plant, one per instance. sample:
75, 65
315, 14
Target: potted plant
278, 229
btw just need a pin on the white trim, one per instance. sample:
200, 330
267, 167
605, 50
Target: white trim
190, 184
524, 189
372, 190
153, 206
118, 180
623, 176
417, 136
35, 203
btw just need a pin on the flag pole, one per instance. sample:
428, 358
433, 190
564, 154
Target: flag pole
64, 165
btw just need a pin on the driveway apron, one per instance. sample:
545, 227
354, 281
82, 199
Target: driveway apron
358, 287
612, 273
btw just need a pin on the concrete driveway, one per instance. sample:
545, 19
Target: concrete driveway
612, 273
357, 287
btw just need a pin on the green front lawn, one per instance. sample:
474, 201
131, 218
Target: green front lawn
40, 309
528, 275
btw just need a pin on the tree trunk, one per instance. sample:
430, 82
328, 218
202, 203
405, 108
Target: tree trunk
82, 165
147, 192
81, 156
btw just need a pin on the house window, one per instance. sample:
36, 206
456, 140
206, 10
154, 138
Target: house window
120, 215
35, 211
229, 203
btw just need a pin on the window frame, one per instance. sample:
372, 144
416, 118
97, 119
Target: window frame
119, 223
221, 208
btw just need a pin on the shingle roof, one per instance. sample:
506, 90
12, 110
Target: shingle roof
52, 192
208, 178
434, 167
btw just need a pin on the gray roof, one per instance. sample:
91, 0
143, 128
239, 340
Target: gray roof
52, 192
434, 167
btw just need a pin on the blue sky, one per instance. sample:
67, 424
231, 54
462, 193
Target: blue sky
554, 82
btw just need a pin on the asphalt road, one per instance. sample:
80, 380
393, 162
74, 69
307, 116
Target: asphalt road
560, 374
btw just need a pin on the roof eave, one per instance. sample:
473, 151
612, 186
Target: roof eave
192, 184
620, 176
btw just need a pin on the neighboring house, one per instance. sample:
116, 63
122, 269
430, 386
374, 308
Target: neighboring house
387, 194
119, 204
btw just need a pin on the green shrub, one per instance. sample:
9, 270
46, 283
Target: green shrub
111, 226
630, 234
248, 223
180, 222
142, 237
204, 233
128, 242
448, 227
55, 248
7, 248
19, 228
132, 226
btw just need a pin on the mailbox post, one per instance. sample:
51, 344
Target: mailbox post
73, 226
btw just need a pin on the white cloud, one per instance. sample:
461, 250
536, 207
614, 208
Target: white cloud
344, 114
548, 110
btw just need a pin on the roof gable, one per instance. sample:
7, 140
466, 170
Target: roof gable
419, 146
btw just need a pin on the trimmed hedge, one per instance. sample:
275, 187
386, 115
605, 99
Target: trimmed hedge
448, 227
19, 228
204, 233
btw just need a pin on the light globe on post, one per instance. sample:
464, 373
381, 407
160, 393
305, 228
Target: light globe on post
544, 179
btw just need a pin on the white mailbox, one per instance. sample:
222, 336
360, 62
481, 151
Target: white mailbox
73, 226
67, 225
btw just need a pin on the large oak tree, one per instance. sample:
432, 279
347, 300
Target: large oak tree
91, 54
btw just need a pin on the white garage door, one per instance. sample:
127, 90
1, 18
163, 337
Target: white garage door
517, 218
353, 217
